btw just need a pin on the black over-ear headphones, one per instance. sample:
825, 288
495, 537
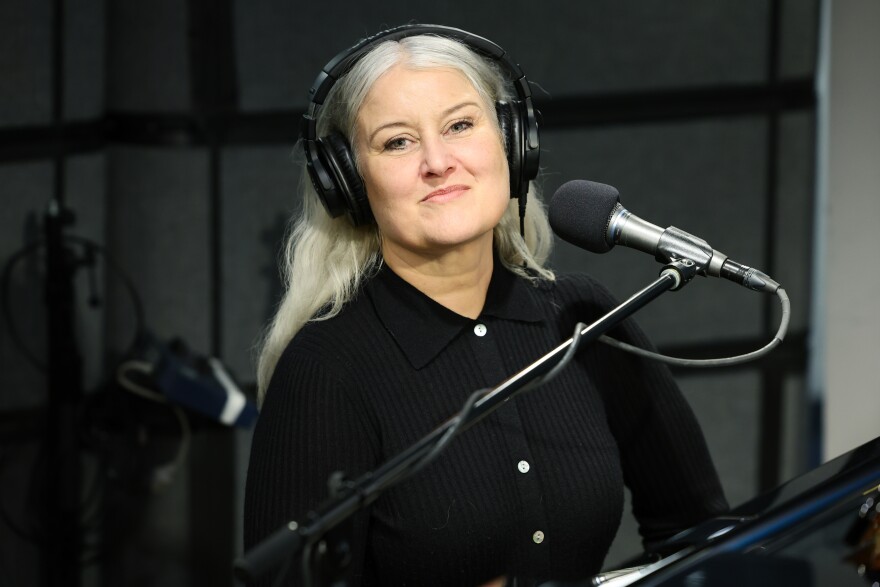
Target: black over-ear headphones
330, 160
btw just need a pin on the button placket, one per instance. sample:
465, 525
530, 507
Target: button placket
527, 480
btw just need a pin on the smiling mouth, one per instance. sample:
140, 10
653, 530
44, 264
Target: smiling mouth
444, 194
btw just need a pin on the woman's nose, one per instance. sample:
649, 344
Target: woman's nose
437, 157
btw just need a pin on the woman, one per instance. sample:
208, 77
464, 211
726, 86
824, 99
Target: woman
389, 325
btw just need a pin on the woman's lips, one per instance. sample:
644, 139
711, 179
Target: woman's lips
446, 194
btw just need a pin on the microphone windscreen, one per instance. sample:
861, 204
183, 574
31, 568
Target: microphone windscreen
580, 211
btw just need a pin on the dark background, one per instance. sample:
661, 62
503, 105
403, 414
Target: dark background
167, 129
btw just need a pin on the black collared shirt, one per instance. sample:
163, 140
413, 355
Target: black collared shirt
422, 328
535, 490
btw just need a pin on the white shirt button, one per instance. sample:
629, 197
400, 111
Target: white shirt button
538, 537
480, 330
523, 466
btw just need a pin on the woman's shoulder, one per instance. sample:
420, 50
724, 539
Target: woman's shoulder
326, 333
326, 352
577, 279
577, 288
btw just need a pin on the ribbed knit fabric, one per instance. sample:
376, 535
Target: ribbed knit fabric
534, 491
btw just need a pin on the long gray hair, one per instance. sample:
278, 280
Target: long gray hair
326, 259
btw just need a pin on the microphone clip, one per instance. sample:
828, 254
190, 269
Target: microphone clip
675, 243
681, 270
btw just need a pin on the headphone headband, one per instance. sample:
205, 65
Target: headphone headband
346, 59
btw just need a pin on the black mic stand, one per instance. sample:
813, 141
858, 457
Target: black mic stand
65, 393
325, 550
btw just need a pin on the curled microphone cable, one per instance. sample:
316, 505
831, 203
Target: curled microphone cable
90, 246
720, 362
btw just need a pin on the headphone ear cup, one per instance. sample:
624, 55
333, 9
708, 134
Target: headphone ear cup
510, 122
350, 193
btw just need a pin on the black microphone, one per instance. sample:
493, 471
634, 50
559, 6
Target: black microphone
589, 215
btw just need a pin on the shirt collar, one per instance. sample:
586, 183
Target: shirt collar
422, 328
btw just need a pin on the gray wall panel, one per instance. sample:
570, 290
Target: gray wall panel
84, 58
25, 62
567, 47
27, 189
598, 47
727, 405
705, 177
796, 442
20, 478
799, 39
259, 196
158, 230
794, 217
156, 552
148, 65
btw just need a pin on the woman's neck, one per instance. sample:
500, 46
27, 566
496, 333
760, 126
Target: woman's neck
457, 279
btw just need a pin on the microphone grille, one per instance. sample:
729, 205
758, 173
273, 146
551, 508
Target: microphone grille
580, 211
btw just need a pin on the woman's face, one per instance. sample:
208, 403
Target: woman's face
432, 161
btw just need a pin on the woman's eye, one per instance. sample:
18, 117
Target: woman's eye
397, 144
460, 126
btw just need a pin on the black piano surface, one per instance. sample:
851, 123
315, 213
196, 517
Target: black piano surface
820, 529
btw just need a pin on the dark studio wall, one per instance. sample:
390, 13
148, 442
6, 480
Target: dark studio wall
167, 128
